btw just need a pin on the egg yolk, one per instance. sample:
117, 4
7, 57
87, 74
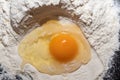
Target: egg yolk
63, 47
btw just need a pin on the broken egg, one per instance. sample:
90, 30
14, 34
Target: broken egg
56, 47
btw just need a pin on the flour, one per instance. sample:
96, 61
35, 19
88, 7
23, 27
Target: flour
100, 26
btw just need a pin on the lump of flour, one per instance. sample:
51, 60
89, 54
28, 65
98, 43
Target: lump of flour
99, 24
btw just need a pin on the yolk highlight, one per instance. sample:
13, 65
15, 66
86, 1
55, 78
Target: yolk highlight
63, 47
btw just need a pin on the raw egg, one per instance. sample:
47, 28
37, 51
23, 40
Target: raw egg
56, 47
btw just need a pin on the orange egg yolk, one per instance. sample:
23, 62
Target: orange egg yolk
63, 47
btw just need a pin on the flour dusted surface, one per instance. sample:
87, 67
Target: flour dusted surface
100, 28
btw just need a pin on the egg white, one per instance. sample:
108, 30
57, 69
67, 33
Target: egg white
34, 48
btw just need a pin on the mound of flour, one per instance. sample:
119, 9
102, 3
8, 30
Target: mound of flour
101, 27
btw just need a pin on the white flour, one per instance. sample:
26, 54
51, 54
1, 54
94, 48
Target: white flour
100, 27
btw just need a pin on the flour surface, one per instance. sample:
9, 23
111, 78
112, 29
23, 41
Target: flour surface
100, 26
